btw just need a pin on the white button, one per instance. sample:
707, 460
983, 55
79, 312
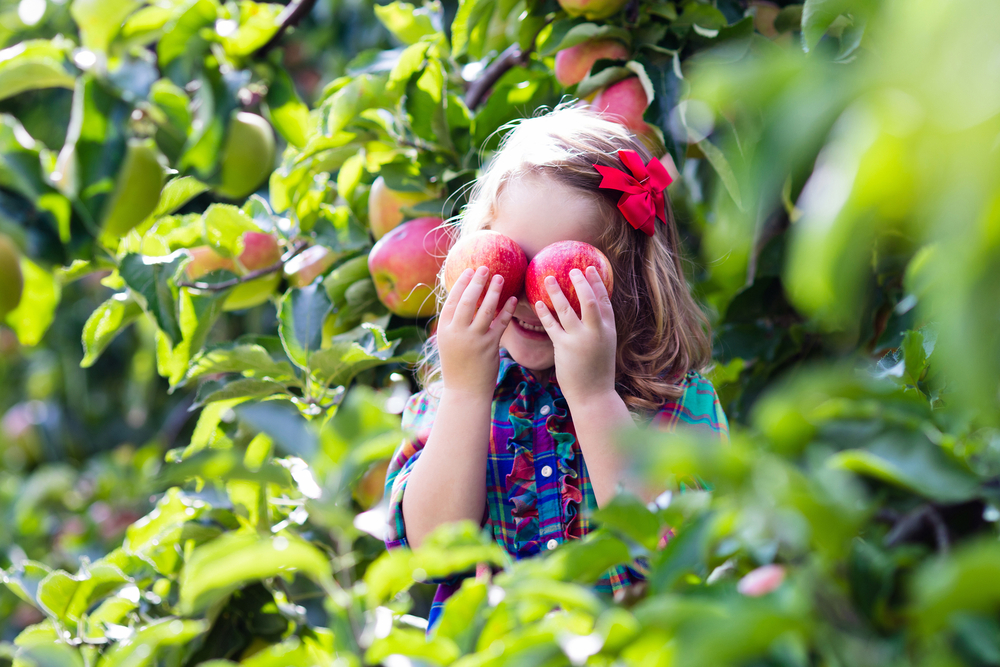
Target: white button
545, 410
546, 471
551, 544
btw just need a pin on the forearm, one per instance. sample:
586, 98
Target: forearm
448, 481
599, 423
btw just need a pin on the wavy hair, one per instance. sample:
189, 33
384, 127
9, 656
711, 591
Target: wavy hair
662, 333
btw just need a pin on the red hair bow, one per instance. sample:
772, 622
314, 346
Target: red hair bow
642, 192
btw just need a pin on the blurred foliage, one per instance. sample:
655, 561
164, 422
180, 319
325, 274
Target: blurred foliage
199, 482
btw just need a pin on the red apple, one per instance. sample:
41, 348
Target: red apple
558, 260
493, 250
309, 264
405, 263
205, 259
624, 102
384, 207
592, 10
573, 64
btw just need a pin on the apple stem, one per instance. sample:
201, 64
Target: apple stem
253, 275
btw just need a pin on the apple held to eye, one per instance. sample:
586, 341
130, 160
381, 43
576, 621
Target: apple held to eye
499, 253
558, 260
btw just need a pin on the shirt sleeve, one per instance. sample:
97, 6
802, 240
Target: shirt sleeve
698, 408
418, 416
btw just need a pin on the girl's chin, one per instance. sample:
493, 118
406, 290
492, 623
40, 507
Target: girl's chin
531, 349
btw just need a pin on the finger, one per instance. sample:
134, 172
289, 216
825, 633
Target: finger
564, 311
601, 292
466, 308
451, 301
548, 320
503, 318
487, 311
590, 312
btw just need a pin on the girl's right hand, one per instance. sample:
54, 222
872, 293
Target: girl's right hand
469, 339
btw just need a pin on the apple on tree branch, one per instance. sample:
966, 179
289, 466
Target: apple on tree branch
252, 275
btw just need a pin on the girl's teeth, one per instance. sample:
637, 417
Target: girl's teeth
531, 327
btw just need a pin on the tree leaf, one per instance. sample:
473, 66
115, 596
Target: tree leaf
33, 65
912, 462
216, 569
39, 298
817, 15
286, 111
407, 23
249, 359
300, 322
250, 388
585, 32
54, 654
142, 648
284, 424
413, 644
105, 323
151, 278
722, 167
627, 515
222, 466
67, 597
182, 31
176, 193
100, 20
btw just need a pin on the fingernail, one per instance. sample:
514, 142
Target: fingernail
574, 272
550, 280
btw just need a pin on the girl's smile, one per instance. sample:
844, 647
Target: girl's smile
535, 211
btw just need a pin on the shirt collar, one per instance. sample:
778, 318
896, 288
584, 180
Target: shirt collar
507, 363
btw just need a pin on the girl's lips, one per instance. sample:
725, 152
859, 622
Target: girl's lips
530, 330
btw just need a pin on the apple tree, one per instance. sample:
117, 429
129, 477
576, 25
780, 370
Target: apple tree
836, 187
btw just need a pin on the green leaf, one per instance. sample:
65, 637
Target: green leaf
585, 32
105, 323
155, 537
914, 357
225, 225
151, 278
424, 105
341, 278
461, 618
470, 25
143, 647
912, 462
966, 581
258, 24
723, 169
249, 359
49, 655
67, 597
414, 644
407, 23
410, 62
216, 569
602, 79
183, 30
686, 552
817, 15
23, 579
300, 322
789, 19
284, 424
337, 365
286, 111
39, 298
363, 92
627, 515
100, 20
178, 192
223, 466
249, 388
197, 315
33, 65
112, 611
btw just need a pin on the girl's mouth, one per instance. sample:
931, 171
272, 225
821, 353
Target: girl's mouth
534, 331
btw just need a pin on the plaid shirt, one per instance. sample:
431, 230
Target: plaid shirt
538, 490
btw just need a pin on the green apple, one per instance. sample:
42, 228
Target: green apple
247, 156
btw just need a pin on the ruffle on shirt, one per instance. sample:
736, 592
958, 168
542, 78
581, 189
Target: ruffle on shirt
521, 480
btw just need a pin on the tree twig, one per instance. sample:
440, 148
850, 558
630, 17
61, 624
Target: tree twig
290, 17
911, 522
253, 275
511, 57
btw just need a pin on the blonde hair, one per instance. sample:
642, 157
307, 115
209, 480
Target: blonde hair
662, 333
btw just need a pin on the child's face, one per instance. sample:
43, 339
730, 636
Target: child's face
536, 211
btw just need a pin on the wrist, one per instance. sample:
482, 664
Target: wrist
601, 402
468, 396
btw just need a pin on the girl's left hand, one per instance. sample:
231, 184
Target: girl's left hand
585, 345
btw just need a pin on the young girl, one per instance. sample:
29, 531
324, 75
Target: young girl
518, 432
